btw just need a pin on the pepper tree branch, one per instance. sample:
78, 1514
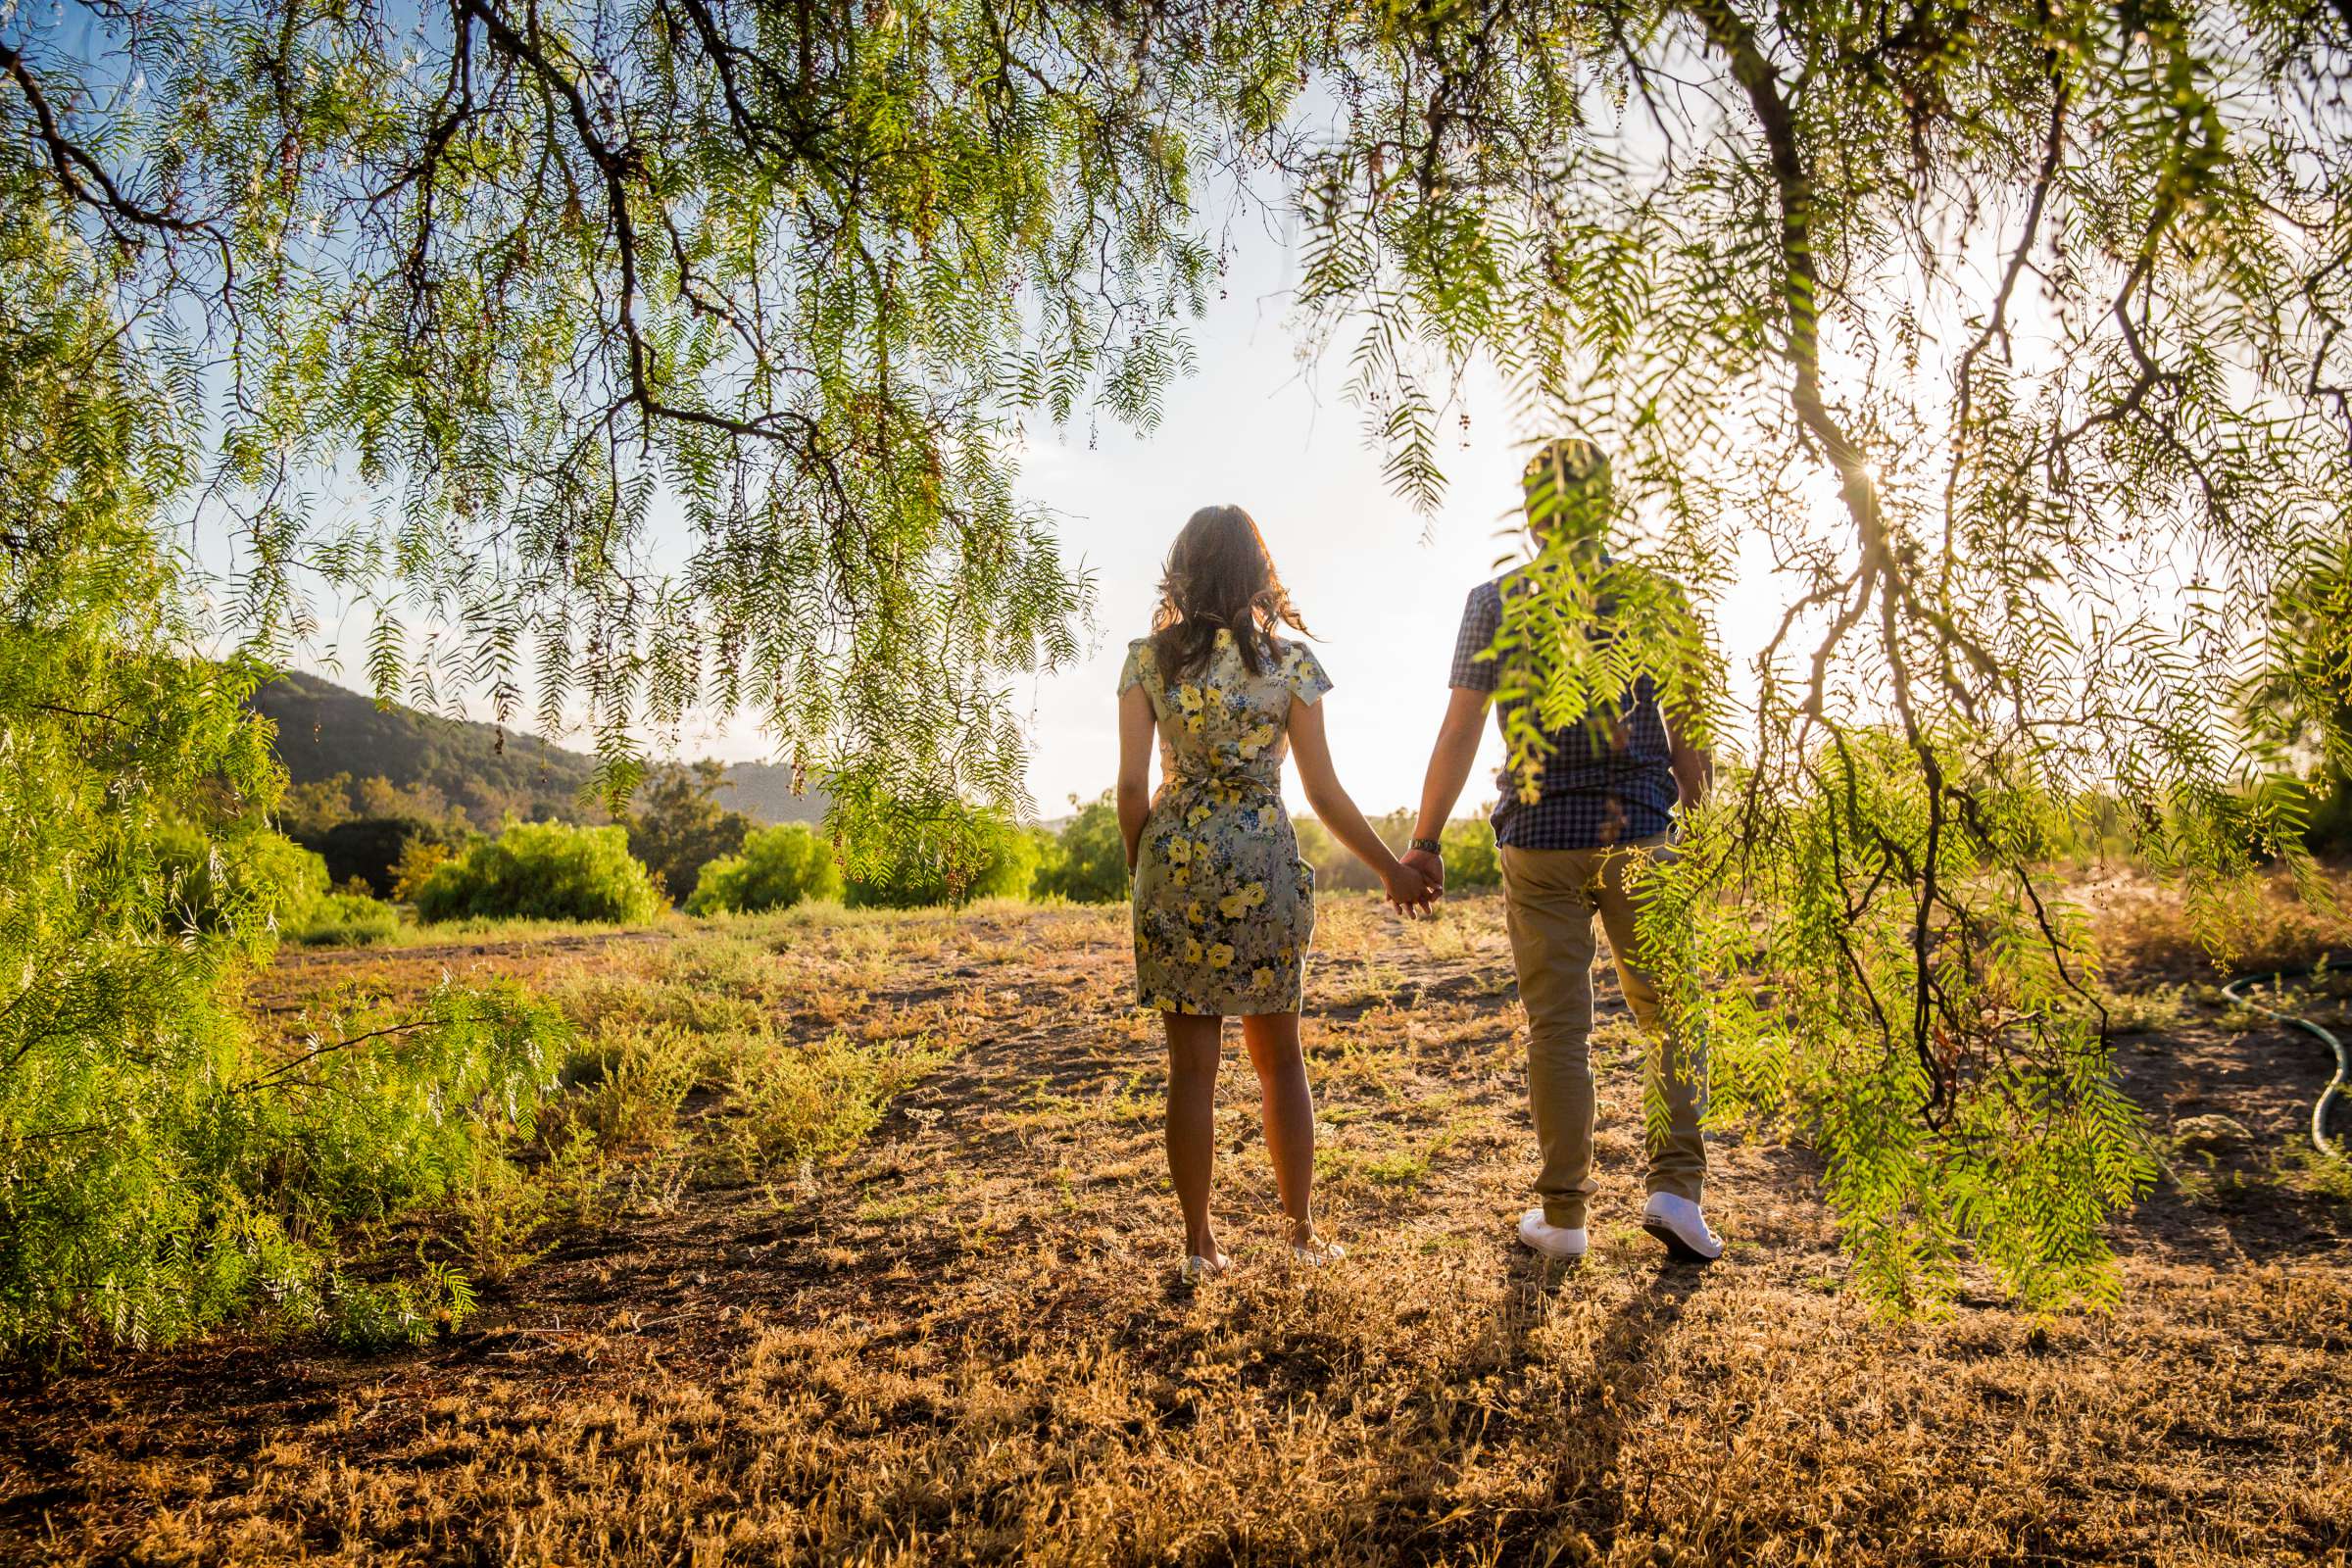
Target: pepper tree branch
75, 169
86, 179
617, 168
1735, 38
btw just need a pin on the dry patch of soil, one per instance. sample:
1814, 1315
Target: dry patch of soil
961, 1341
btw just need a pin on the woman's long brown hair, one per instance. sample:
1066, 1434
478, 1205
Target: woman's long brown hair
1219, 577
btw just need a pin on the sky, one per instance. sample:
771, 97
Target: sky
1379, 586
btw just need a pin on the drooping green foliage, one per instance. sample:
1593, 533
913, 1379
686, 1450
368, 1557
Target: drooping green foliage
538, 278
2008, 1133
914, 880
1086, 862
779, 868
543, 871
2012, 337
158, 1171
678, 827
2301, 702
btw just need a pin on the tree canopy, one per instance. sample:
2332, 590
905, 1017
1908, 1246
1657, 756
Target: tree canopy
2011, 334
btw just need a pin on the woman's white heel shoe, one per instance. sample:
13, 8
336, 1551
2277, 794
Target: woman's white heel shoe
1199, 1270
1317, 1253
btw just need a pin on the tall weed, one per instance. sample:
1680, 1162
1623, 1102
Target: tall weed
793, 1103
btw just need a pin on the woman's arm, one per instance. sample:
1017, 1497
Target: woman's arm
1136, 722
1310, 749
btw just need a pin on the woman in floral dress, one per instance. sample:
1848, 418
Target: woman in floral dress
1224, 907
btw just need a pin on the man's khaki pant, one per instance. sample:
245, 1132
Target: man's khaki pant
1552, 896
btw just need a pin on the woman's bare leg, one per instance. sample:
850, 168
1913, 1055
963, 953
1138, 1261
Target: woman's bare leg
1193, 1045
1290, 1113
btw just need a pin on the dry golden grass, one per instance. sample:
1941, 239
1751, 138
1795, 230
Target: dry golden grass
957, 1339
2147, 929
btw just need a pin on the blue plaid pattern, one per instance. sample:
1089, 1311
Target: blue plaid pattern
1607, 781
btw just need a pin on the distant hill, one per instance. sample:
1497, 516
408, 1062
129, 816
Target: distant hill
762, 791
325, 729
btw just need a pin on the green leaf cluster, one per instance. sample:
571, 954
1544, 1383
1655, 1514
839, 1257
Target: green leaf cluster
1952, 1068
160, 1170
917, 877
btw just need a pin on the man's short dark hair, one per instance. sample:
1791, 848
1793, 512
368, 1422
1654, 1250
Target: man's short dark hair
1567, 482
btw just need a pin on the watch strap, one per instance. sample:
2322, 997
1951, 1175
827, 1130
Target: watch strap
1426, 845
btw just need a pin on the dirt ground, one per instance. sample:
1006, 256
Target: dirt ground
963, 1342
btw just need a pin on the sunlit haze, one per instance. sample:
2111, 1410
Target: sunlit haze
1379, 587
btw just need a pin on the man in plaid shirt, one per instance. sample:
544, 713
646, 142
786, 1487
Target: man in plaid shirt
1602, 813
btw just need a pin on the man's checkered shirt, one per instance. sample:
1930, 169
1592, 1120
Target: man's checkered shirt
1604, 781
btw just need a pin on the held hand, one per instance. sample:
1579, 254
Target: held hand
1406, 888
1413, 887
1432, 869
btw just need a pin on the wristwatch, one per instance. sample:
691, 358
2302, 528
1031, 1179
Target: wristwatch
1428, 846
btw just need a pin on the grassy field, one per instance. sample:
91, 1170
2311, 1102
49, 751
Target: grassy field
856, 1246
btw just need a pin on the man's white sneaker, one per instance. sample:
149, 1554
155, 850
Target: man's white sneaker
1553, 1240
1678, 1223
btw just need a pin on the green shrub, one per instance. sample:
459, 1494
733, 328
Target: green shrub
792, 1103
625, 1082
249, 880
543, 871
1008, 864
418, 860
1086, 862
779, 868
345, 920
1471, 860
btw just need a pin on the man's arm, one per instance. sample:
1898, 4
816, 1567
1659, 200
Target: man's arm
1693, 769
1449, 762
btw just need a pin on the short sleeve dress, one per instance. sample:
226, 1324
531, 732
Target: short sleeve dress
1224, 907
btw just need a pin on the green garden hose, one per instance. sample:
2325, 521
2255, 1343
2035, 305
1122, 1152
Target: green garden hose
2343, 1059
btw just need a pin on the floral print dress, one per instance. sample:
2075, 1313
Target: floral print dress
1224, 907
